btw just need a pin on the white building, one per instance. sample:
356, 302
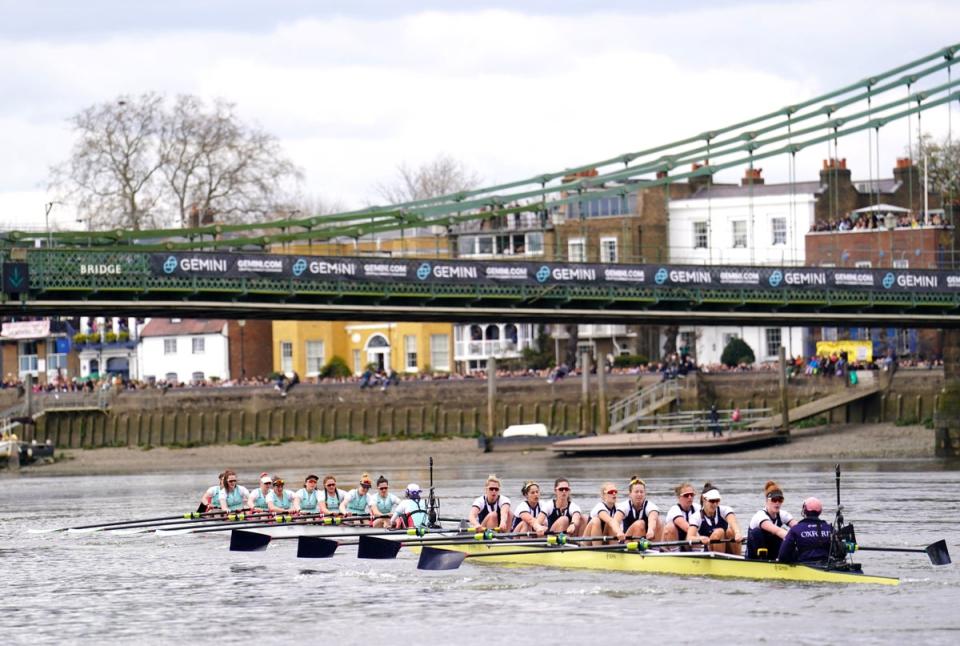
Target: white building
473, 343
109, 347
747, 225
184, 350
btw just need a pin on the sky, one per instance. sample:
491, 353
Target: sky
354, 88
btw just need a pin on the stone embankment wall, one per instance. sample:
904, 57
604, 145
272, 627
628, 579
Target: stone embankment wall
434, 409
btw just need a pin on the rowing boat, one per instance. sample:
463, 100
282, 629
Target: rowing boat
712, 564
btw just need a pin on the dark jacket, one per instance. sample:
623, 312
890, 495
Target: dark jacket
807, 542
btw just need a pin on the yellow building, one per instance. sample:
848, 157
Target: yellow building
307, 346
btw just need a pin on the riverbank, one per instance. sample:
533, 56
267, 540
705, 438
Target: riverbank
854, 441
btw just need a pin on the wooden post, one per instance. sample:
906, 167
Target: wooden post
784, 404
491, 404
585, 394
604, 425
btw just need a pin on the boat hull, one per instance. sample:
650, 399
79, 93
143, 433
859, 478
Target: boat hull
675, 563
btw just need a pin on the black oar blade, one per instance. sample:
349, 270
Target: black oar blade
374, 547
433, 558
244, 541
938, 553
314, 547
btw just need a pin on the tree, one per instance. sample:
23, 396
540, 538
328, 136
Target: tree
441, 176
943, 165
139, 163
737, 352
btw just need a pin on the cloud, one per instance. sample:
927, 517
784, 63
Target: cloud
511, 94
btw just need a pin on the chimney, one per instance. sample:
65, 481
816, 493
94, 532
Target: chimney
661, 174
911, 184
834, 170
699, 181
752, 176
572, 177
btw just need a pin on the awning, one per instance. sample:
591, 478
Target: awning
882, 208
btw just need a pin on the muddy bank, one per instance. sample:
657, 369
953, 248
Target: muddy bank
860, 441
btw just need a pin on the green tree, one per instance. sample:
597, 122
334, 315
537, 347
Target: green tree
737, 352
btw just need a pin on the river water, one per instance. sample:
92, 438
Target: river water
105, 588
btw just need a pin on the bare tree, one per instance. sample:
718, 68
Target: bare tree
943, 165
218, 168
114, 170
139, 164
441, 176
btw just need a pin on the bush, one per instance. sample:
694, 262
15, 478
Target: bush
123, 336
737, 352
336, 369
630, 361
79, 338
110, 337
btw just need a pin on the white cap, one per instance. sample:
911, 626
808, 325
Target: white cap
266, 480
713, 494
413, 486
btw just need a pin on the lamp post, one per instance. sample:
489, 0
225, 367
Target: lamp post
46, 217
243, 365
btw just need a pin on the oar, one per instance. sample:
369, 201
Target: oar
317, 547
436, 558
281, 519
94, 527
371, 546
223, 518
936, 551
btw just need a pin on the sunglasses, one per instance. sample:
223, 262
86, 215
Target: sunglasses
231, 482
332, 484
713, 500
382, 488
776, 500
493, 488
686, 495
365, 485
563, 488
612, 492
277, 484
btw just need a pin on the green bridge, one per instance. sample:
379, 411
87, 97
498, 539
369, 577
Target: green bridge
281, 286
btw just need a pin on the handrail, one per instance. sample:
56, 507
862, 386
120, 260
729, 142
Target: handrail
628, 409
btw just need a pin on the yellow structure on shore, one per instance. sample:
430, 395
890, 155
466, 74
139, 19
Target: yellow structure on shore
307, 346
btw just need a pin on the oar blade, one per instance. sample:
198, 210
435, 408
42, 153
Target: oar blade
243, 541
938, 553
314, 547
374, 547
433, 558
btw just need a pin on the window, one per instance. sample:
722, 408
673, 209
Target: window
576, 250
172, 378
485, 245
739, 234
608, 250
315, 357
534, 242
440, 351
197, 377
169, 346
901, 263
779, 227
773, 335
286, 356
357, 366
466, 245
199, 343
863, 264
688, 340
727, 337
410, 352
56, 361
700, 236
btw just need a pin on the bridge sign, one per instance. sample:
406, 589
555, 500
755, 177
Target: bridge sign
16, 277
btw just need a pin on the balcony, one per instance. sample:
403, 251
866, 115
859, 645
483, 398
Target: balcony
500, 348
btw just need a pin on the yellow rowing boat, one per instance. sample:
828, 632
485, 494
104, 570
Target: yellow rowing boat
677, 563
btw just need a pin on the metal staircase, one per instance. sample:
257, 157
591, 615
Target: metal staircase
625, 413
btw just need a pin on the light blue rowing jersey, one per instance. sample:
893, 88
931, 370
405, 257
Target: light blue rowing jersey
308, 500
259, 500
234, 499
358, 503
333, 502
283, 502
386, 505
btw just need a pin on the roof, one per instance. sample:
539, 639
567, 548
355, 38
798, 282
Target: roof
182, 327
882, 208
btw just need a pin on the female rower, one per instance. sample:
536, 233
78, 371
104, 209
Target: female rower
357, 501
528, 511
491, 511
332, 496
603, 517
208, 501
232, 497
258, 497
280, 500
383, 503
307, 497
769, 526
715, 522
639, 517
676, 527
561, 514
412, 510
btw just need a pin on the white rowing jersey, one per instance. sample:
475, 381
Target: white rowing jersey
548, 507
762, 515
722, 512
626, 507
601, 506
488, 508
524, 508
676, 512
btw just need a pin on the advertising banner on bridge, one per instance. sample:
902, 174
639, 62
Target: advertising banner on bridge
471, 272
